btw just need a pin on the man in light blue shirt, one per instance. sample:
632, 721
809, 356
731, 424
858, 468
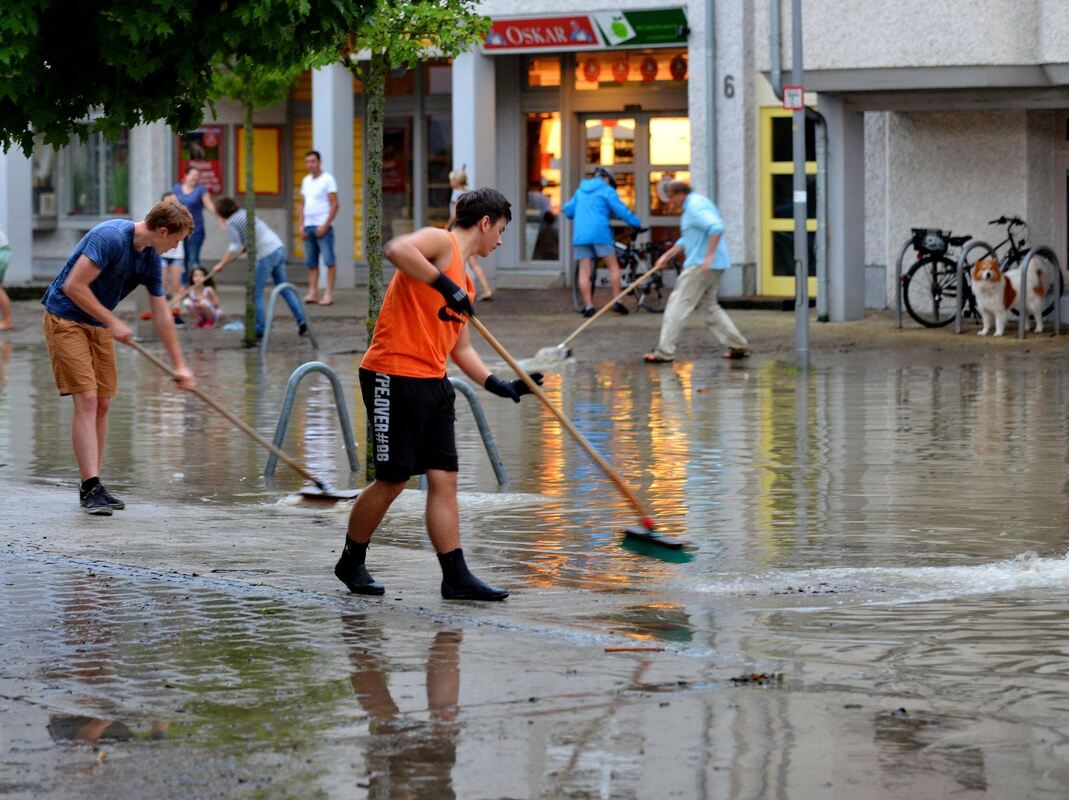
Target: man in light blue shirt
705, 259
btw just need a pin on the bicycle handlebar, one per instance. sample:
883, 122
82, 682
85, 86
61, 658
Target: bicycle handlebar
1007, 221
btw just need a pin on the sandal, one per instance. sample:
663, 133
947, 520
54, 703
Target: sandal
653, 358
736, 353
486, 298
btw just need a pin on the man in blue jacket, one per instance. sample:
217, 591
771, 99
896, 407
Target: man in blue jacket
591, 207
706, 258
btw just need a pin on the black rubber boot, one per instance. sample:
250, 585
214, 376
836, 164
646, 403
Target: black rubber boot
351, 571
459, 584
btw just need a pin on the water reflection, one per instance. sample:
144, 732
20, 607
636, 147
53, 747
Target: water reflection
406, 757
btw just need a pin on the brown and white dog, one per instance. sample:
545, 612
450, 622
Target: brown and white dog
997, 292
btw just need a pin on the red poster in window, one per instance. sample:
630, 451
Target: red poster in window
591, 69
678, 67
619, 69
648, 68
203, 149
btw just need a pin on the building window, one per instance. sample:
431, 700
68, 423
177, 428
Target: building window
94, 178
630, 69
45, 159
439, 158
542, 200
542, 71
396, 177
438, 77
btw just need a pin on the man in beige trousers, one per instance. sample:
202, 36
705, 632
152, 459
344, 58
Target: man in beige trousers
706, 258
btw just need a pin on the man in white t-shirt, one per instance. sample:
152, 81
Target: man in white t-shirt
320, 193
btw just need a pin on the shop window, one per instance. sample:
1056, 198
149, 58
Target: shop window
610, 141
396, 177
783, 139
658, 183
542, 70
45, 176
439, 158
267, 159
96, 177
438, 77
542, 200
400, 81
669, 140
631, 68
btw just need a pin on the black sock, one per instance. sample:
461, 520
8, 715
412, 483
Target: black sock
356, 551
87, 485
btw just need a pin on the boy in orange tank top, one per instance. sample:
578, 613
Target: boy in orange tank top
408, 398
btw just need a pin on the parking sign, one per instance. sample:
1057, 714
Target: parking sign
794, 98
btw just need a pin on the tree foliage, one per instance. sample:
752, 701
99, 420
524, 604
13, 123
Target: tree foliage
398, 34
125, 62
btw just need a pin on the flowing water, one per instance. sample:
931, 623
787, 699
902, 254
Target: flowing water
893, 538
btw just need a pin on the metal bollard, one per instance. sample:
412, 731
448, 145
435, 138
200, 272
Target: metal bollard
1022, 305
287, 408
898, 281
271, 316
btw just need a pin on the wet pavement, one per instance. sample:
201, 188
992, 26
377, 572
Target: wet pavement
880, 565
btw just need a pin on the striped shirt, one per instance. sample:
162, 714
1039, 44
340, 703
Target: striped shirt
267, 241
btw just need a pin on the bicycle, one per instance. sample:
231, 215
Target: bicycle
635, 261
930, 288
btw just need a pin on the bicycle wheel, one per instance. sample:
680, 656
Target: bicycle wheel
577, 297
930, 291
653, 293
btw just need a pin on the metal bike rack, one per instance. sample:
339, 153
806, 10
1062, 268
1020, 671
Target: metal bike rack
287, 409
1022, 311
272, 301
898, 281
976, 244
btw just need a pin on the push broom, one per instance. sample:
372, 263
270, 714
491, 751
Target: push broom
641, 537
320, 494
560, 352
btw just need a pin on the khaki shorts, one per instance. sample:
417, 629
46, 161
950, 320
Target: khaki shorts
83, 357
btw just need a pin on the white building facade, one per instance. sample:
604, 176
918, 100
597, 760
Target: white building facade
940, 114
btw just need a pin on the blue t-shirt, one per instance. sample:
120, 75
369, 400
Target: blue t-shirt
194, 201
109, 245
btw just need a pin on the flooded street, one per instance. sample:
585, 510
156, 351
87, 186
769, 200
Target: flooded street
878, 605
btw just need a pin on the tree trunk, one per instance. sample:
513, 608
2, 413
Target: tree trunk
375, 86
250, 219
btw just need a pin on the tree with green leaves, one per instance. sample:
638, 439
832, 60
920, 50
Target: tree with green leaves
254, 87
127, 62
398, 34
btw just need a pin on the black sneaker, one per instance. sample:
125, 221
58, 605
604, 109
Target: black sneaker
113, 501
302, 329
351, 571
619, 308
179, 322
95, 503
588, 311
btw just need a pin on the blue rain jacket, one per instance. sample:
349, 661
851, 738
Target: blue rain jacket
592, 206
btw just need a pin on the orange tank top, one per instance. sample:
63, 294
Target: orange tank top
410, 338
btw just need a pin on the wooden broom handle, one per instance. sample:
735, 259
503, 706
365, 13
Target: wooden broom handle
536, 390
240, 423
630, 288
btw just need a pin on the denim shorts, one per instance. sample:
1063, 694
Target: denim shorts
580, 251
314, 245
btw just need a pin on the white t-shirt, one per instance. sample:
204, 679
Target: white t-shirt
316, 200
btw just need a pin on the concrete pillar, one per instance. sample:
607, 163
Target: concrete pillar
16, 213
475, 128
846, 209
150, 169
332, 136
474, 118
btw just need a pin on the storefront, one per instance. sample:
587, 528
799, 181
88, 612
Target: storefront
580, 91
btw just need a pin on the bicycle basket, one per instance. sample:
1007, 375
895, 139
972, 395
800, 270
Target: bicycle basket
930, 240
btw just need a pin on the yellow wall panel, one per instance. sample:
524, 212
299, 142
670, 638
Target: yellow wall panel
267, 159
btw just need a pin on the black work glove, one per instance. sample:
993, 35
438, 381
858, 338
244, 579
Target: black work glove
512, 389
456, 299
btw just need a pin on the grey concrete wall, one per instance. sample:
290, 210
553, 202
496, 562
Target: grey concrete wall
922, 33
956, 171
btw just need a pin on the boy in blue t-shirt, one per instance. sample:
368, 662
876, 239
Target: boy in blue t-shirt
110, 261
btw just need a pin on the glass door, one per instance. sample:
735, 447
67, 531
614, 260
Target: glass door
644, 152
777, 207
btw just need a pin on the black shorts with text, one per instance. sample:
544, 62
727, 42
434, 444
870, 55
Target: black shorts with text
412, 423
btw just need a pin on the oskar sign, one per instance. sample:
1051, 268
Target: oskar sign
602, 30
